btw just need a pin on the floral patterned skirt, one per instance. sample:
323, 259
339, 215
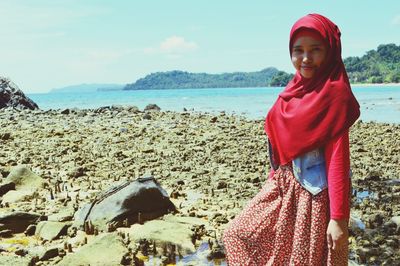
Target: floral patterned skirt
282, 225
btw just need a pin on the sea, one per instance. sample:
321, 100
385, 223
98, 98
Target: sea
378, 103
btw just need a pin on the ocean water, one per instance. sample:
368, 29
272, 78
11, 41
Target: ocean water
378, 103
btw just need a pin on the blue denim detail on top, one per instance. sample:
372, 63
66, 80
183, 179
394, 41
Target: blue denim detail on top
310, 171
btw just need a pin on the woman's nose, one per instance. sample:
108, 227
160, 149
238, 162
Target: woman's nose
306, 58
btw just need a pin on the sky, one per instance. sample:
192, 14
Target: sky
46, 44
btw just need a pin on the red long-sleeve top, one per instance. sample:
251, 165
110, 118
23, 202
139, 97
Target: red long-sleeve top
337, 157
337, 162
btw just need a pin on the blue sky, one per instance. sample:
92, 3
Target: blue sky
47, 44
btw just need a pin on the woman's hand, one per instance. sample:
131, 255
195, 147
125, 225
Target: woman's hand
337, 233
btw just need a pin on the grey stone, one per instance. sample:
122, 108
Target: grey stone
24, 178
26, 183
152, 107
44, 253
132, 201
17, 222
171, 230
107, 249
5, 187
50, 230
12, 96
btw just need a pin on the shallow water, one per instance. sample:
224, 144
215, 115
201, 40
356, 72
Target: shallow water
197, 258
378, 103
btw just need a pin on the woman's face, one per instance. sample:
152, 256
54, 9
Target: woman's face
308, 54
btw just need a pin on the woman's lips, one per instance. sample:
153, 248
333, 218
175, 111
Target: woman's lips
308, 68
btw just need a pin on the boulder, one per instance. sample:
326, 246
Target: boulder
5, 187
170, 231
24, 178
26, 184
130, 202
43, 253
12, 96
152, 107
17, 222
50, 230
107, 249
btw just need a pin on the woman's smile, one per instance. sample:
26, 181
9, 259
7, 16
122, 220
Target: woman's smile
308, 54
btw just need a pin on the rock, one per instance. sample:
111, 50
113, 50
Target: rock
6, 233
15, 260
103, 250
5, 136
16, 196
26, 184
152, 107
132, 201
172, 230
65, 112
24, 178
222, 184
396, 220
147, 116
30, 230
133, 109
51, 230
5, 187
12, 96
65, 214
43, 253
17, 222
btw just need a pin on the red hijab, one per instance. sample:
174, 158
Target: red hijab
310, 112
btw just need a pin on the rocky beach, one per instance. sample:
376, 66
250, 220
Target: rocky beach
210, 166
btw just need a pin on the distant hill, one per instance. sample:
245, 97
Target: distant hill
89, 88
376, 66
185, 80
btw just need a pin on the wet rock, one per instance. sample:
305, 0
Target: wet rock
130, 202
12, 96
107, 249
51, 230
374, 175
17, 222
217, 250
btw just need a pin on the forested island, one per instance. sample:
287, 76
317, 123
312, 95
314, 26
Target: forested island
376, 66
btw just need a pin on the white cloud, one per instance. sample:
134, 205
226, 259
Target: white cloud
396, 20
172, 47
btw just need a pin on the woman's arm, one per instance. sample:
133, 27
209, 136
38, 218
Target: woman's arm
337, 156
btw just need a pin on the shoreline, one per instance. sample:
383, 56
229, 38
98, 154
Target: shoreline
375, 85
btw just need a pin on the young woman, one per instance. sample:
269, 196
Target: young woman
300, 216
